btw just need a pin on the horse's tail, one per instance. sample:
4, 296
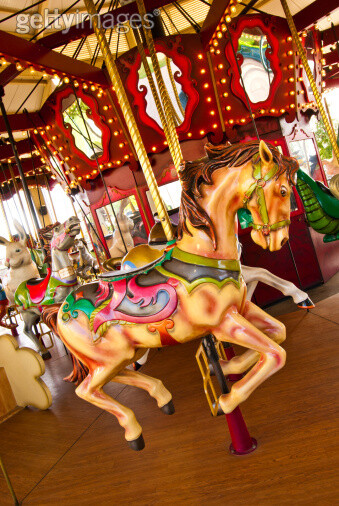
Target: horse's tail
49, 316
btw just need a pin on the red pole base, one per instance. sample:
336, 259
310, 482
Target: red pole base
14, 332
229, 352
242, 442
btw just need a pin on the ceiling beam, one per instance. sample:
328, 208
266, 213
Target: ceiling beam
313, 12
21, 122
26, 164
331, 58
330, 36
24, 147
217, 9
35, 54
84, 29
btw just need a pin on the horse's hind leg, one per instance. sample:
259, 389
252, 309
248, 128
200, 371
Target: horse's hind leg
153, 386
236, 329
270, 326
91, 390
31, 318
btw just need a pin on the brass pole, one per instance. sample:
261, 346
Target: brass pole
130, 120
160, 81
17, 191
50, 197
8, 481
5, 217
309, 74
75, 214
170, 73
154, 91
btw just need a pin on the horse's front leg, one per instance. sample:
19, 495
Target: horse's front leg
270, 326
237, 329
287, 288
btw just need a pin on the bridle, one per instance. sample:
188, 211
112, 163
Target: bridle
258, 186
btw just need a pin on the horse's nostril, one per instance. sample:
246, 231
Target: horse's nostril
284, 241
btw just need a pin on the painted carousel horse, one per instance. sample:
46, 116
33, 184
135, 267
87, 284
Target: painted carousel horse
85, 265
33, 295
194, 289
19, 262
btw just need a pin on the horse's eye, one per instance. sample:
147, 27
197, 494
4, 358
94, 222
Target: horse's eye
17, 250
283, 191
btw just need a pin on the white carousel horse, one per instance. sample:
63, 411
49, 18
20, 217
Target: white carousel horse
118, 249
33, 295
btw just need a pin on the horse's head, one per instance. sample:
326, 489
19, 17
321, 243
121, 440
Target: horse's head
64, 234
266, 185
233, 176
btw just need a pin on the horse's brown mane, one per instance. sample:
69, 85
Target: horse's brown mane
194, 174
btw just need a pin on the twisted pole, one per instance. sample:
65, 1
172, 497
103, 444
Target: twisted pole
157, 101
168, 108
130, 121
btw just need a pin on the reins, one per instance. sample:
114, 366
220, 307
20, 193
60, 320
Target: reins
258, 186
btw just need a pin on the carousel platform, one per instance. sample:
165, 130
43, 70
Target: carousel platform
75, 453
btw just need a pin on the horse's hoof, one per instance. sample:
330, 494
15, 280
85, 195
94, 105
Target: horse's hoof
46, 355
168, 408
137, 444
306, 304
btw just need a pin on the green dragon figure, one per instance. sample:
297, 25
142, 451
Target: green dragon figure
321, 207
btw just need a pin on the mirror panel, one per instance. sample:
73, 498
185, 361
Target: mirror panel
256, 69
76, 119
170, 72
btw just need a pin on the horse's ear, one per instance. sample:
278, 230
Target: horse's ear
265, 153
21, 231
3, 241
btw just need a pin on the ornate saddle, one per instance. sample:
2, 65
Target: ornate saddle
37, 287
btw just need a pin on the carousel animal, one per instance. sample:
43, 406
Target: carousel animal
321, 206
85, 264
120, 240
194, 289
19, 262
33, 295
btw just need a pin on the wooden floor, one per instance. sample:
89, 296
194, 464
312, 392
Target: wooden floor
75, 454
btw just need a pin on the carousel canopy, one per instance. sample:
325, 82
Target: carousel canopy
57, 40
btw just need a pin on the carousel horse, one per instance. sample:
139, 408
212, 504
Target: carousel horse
195, 288
85, 265
118, 249
19, 262
321, 206
31, 296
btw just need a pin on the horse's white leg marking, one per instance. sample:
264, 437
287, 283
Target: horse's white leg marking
91, 390
270, 326
237, 329
285, 287
153, 386
251, 286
